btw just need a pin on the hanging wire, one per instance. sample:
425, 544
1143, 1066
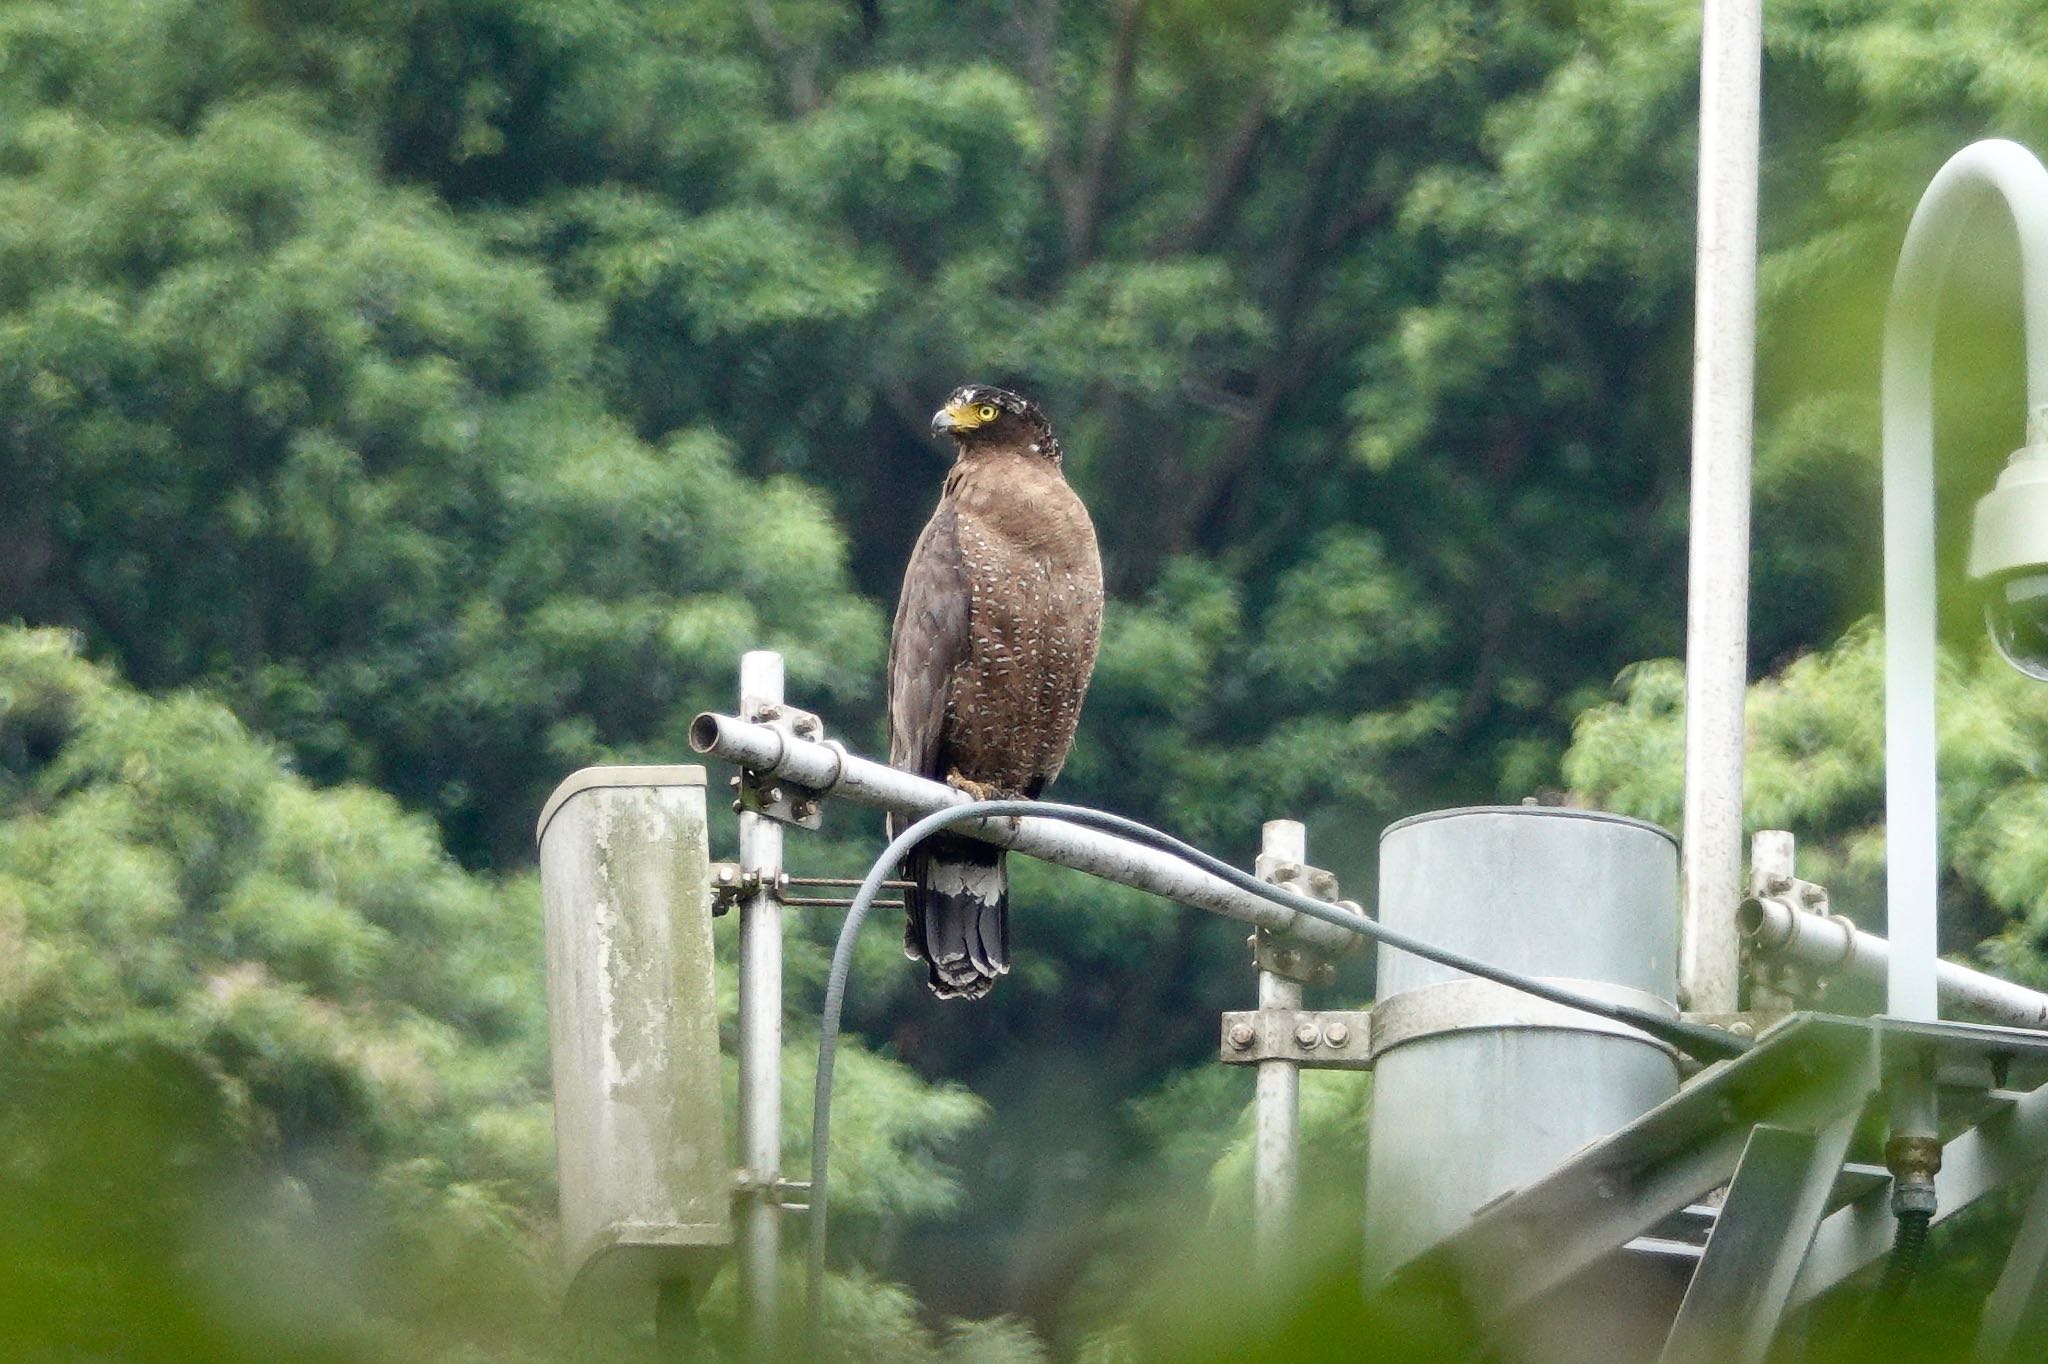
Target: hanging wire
1704, 1043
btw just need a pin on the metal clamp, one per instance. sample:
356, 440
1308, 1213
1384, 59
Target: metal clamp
1274, 952
792, 1194
1323, 1039
1470, 1005
778, 798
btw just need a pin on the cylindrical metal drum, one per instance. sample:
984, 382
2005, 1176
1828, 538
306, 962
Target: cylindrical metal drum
1477, 1088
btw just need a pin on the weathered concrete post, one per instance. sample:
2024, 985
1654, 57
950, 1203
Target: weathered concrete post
646, 1187
1478, 1089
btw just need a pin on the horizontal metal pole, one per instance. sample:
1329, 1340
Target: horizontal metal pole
1827, 943
830, 770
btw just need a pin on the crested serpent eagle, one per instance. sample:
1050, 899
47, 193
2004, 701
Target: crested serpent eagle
994, 640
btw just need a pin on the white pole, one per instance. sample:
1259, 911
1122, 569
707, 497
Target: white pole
1276, 1141
1980, 173
1717, 589
760, 1043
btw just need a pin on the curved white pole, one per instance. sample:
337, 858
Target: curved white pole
1984, 172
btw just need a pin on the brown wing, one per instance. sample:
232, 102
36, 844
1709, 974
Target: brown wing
927, 643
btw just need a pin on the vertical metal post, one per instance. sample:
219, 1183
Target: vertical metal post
1276, 1142
760, 1041
1717, 588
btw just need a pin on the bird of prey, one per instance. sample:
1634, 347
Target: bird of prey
995, 637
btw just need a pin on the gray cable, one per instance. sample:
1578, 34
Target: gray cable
1706, 1043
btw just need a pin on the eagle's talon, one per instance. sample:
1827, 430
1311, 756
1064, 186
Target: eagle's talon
974, 789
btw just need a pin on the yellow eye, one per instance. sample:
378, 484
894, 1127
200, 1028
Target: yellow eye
986, 412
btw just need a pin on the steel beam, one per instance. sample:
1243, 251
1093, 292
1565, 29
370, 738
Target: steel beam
2017, 1310
1739, 1292
1806, 1074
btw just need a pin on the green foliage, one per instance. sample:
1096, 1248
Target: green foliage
1815, 765
450, 390
276, 1066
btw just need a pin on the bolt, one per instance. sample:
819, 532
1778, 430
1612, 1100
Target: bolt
1308, 1035
769, 713
1337, 1035
807, 726
804, 809
1742, 1027
725, 876
1777, 883
1241, 1036
735, 807
775, 795
733, 781
1286, 871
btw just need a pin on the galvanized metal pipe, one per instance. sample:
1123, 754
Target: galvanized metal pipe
831, 770
1717, 563
760, 1043
1276, 1112
1991, 171
1831, 944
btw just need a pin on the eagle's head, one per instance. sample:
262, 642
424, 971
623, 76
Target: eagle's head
983, 417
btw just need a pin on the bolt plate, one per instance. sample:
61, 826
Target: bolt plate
774, 797
1283, 958
1322, 1039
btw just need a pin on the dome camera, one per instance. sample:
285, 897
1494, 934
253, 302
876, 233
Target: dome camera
2009, 552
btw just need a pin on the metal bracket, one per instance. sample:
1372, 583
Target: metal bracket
778, 798
1277, 954
1322, 1039
793, 1194
1467, 1004
730, 884
1776, 986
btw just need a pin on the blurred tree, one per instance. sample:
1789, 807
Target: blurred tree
275, 1066
454, 388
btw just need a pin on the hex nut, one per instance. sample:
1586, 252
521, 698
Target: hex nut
1307, 1035
1241, 1036
1337, 1034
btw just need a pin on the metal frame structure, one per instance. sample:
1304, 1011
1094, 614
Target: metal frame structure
1783, 1128
1805, 1210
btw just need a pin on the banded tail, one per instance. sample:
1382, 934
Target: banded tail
959, 921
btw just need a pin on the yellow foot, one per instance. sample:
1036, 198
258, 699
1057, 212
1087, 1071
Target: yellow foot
977, 790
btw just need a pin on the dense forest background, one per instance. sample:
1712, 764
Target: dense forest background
405, 402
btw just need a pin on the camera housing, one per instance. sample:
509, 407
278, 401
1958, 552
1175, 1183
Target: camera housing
2009, 554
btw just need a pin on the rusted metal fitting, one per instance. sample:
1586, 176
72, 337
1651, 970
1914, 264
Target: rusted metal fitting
1913, 1157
